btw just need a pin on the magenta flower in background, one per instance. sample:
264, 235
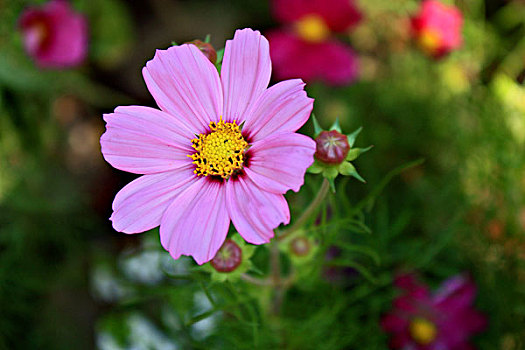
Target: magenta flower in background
437, 28
201, 169
54, 35
305, 48
443, 320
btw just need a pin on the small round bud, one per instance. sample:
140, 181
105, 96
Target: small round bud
228, 258
206, 49
331, 147
300, 246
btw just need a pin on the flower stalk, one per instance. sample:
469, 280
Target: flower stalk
312, 208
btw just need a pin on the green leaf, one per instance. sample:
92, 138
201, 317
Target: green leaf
358, 267
207, 38
360, 249
353, 136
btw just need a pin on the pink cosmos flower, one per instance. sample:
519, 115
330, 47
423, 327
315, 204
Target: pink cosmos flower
54, 35
201, 169
437, 28
445, 319
306, 49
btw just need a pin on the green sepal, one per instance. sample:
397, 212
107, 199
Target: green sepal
351, 137
207, 38
330, 172
317, 127
218, 63
356, 152
173, 43
347, 169
315, 168
299, 260
335, 126
245, 266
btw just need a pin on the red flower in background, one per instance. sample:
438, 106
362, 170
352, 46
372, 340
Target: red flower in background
54, 35
305, 48
443, 320
437, 28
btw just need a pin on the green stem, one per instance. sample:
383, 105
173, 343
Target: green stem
256, 281
275, 269
312, 208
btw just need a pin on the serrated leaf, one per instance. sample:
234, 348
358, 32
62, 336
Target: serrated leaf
351, 137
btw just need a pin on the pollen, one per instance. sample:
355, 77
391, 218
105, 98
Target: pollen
220, 152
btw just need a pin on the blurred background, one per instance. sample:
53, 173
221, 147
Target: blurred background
68, 280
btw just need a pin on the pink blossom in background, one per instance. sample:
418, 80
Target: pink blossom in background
54, 35
444, 319
200, 169
306, 48
437, 28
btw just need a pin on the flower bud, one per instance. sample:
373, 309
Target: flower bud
228, 258
331, 147
300, 246
54, 34
206, 49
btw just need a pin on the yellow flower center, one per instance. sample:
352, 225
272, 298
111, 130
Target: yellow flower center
220, 152
422, 331
429, 41
312, 28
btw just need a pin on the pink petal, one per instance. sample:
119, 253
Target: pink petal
245, 73
197, 221
185, 84
457, 327
393, 323
330, 61
339, 15
139, 206
144, 140
281, 108
455, 293
255, 212
278, 163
